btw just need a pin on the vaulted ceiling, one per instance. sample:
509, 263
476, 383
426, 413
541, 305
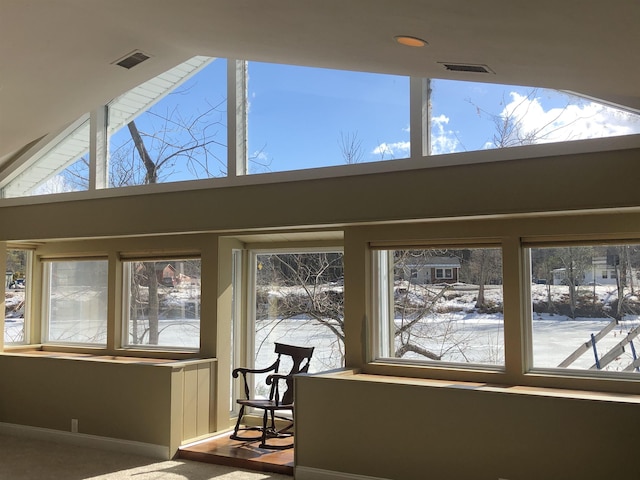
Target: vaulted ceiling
56, 57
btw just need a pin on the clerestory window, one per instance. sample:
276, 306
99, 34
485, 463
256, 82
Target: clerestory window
178, 126
303, 117
171, 128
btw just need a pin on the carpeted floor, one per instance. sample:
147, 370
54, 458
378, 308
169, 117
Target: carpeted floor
25, 459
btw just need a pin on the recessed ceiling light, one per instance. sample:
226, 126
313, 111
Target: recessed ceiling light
410, 41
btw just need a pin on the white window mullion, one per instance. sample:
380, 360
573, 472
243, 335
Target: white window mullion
99, 150
516, 284
420, 117
236, 117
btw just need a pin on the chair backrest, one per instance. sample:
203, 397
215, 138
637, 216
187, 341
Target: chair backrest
301, 358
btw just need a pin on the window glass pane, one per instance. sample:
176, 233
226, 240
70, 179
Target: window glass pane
303, 117
164, 303
15, 302
77, 301
299, 301
586, 312
62, 167
469, 116
73, 178
171, 128
451, 311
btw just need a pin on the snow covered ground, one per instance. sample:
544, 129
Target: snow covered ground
480, 336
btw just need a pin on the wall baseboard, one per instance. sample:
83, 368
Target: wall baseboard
161, 452
308, 473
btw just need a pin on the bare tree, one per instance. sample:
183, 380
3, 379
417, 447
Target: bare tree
510, 129
302, 286
350, 147
575, 262
485, 266
163, 146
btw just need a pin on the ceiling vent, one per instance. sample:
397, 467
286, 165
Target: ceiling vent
466, 68
132, 59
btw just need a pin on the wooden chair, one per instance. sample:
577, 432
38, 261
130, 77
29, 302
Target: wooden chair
280, 398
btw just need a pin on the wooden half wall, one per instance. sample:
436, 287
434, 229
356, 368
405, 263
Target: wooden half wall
378, 427
155, 402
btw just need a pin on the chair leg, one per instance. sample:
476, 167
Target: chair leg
234, 436
265, 419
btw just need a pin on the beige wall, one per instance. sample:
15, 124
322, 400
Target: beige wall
572, 182
160, 404
387, 429
483, 428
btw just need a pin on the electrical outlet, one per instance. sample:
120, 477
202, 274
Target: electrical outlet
74, 425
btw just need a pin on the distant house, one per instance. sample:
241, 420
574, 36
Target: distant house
166, 274
603, 271
432, 270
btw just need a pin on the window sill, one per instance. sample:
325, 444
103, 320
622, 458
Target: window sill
41, 352
592, 395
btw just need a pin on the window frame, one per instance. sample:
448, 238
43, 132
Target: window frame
28, 296
237, 158
382, 309
125, 288
46, 263
514, 234
586, 375
253, 251
114, 250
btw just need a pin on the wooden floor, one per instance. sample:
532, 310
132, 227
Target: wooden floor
241, 454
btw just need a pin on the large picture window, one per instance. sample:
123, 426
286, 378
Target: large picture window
163, 308
583, 318
451, 311
76, 301
299, 300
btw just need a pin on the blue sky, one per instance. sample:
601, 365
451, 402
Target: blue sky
297, 115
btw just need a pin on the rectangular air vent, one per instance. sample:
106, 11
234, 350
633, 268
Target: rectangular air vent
132, 59
466, 68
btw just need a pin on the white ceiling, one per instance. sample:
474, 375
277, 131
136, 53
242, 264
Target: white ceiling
56, 56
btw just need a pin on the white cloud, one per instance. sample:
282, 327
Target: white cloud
574, 121
392, 150
442, 140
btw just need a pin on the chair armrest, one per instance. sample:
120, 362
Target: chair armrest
244, 371
277, 377
274, 381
